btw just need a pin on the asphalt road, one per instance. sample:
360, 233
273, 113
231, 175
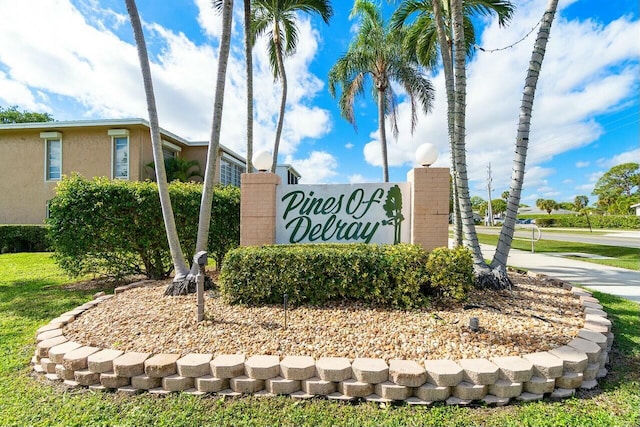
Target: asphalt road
629, 239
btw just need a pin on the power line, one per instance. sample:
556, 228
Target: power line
512, 44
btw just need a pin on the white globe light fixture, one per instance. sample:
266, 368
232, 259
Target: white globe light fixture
426, 154
262, 161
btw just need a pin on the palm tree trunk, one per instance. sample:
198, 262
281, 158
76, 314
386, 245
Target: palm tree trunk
283, 102
214, 139
177, 257
522, 139
383, 135
447, 61
248, 49
462, 182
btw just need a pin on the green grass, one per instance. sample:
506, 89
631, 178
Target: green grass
33, 290
628, 258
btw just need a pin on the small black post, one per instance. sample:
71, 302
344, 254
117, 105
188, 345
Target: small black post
286, 298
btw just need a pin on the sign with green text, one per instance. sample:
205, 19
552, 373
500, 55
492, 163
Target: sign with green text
343, 213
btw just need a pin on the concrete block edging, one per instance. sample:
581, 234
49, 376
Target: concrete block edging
523, 378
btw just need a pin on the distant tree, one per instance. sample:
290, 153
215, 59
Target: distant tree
499, 206
617, 189
12, 115
482, 208
547, 205
505, 195
580, 202
580, 205
476, 202
566, 205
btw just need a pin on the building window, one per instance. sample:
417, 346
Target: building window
168, 153
230, 173
52, 155
120, 153
291, 178
170, 150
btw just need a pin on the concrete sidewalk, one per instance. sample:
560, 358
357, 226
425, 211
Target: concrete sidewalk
611, 280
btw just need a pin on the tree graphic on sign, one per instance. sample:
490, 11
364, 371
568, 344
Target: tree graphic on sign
393, 208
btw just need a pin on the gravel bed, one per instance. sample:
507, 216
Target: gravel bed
535, 316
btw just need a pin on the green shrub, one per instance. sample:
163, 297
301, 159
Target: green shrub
116, 227
23, 238
625, 222
545, 222
393, 275
450, 272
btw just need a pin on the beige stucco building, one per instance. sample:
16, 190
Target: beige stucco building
35, 156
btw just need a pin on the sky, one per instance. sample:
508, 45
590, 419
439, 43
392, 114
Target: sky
76, 59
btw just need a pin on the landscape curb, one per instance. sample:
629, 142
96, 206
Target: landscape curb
556, 373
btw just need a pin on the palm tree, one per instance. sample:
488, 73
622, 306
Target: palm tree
277, 18
179, 169
248, 52
430, 32
204, 219
184, 279
179, 263
376, 54
499, 262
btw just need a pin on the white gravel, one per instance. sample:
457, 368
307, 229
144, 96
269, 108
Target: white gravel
511, 323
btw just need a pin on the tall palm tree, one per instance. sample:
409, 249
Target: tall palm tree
376, 54
184, 279
204, 222
248, 52
179, 263
495, 274
277, 18
430, 32
499, 261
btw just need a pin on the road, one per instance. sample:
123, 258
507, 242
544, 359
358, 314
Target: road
628, 239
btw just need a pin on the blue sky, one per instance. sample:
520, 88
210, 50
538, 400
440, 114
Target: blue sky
76, 60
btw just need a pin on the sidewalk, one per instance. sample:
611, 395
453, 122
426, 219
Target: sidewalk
611, 280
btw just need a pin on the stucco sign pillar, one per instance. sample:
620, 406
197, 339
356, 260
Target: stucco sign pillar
258, 208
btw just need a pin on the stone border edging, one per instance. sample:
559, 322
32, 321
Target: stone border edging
556, 373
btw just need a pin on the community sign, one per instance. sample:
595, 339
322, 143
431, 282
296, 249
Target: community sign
343, 213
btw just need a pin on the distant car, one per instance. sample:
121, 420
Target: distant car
525, 221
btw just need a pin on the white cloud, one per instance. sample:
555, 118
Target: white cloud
349, 145
359, 179
209, 20
583, 164
632, 156
318, 168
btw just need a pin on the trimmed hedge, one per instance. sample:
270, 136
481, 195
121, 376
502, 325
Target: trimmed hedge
394, 275
23, 238
450, 272
625, 222
116, 227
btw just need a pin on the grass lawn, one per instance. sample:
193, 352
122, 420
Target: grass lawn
628, 258
33, 290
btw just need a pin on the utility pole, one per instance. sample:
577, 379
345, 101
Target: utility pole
489, 208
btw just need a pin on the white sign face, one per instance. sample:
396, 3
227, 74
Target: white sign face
343, 213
